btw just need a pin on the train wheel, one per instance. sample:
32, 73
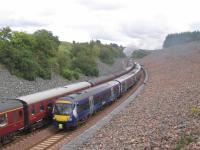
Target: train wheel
75, 125
1, 142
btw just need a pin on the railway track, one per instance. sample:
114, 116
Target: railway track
53, 139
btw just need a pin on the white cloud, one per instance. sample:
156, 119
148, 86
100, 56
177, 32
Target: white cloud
103, 5
142, 23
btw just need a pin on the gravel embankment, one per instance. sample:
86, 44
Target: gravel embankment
167, 114
12, 87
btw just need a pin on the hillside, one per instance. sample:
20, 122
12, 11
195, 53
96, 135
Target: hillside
140, 53
41, 54
167, 114
12, 86
181, 38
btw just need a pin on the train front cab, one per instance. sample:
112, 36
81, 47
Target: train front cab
64, 114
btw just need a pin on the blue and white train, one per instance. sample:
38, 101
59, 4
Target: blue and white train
69, 110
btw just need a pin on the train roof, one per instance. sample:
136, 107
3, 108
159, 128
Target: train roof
89, 92
132, 73
102, 79
78, 84
7, 105
40, 96
125, 77
106, 78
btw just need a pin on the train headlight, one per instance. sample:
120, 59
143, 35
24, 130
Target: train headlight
70, 118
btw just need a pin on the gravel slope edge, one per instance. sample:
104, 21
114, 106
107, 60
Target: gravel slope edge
79, 140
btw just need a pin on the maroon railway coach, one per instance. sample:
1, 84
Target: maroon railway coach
11, 118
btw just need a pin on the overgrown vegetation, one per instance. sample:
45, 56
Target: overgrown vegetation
194, 110
108, 53
184, 141
181, 38
40, 54
138, 54
28, 55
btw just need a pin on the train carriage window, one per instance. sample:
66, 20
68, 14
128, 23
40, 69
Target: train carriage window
41, 107
80, 109
107, 94
117, 89
100, 99
20, 114
15, 116
33, 110
3, 120
96, 99
123, 86
83, 107
50, 106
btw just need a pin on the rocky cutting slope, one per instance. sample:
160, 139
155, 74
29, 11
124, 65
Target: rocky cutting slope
167, 114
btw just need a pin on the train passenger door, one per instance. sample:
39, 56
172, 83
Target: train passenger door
112, 94
26, 116
91, 103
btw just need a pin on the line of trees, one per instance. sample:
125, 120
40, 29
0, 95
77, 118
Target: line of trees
181, 38
40, 54
140, 53
82, 57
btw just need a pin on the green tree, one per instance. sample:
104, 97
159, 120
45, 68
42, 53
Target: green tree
5, 34
22, 40
86, 64
107, 56
29, 55
46, 42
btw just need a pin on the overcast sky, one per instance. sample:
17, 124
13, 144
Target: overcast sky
141, 23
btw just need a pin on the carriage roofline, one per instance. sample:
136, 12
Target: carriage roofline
56, 92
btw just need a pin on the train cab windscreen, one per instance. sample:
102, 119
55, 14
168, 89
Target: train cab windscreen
3, 120
63, 109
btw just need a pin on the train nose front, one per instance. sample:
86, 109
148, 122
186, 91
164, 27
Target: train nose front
61, 120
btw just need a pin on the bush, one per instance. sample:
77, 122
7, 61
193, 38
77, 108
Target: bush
86, 64
107, 56
54, 66
76, 75
28, 69
183, 142
68, 74
194, 110
64, 59
92, 71
77, 70
19, 63
45, 73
